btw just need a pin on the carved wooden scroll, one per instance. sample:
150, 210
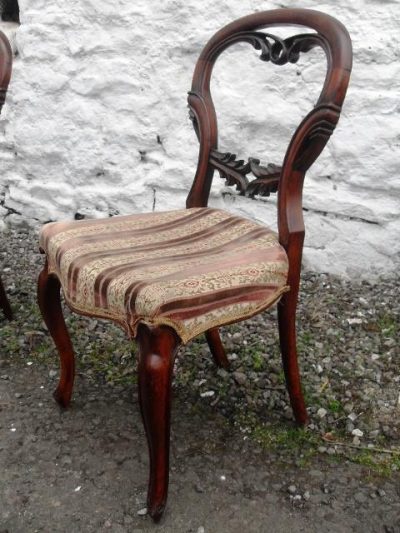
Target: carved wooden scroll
235, 171
279, 52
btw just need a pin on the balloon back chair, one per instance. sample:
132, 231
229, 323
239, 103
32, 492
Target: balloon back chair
167, 277
5, 75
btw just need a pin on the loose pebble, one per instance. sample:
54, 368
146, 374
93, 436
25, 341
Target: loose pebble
207, 394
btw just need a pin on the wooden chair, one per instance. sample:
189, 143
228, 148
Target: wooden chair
5, 75
168, 277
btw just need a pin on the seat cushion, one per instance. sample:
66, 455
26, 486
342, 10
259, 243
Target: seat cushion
191, 269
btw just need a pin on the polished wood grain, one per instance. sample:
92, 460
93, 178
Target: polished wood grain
5, 75
158, 345
157, 349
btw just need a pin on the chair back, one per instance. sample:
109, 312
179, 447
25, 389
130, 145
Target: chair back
311, 135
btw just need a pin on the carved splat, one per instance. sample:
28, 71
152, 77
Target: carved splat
267, 178
234, 172
279, 52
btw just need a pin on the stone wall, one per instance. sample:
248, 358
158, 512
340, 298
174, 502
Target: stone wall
96, 121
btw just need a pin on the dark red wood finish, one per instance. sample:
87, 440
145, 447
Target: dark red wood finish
157, 349
217, 348
158, 345
49, 300
5, 75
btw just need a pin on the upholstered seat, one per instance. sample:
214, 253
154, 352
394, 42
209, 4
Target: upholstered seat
191, 269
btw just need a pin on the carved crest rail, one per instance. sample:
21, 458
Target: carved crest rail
235, 171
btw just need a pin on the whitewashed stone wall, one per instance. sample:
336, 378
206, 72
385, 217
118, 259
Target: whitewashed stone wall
96, 120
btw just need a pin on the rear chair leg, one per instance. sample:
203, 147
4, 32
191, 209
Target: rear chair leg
157, 349
287, 336
216, 348
4, 303
49, 301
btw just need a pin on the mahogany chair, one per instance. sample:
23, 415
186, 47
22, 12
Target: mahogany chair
5, 75
168, 277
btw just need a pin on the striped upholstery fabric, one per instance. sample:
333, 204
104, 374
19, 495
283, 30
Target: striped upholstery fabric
191, 269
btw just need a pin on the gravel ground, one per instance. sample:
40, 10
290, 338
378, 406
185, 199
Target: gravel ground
238, 462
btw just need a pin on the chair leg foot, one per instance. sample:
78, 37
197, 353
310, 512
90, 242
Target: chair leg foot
4, 303
157, 349
49, 301
217, 348
62, 396
287, 336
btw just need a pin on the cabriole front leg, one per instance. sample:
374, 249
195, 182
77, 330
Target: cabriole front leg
49, 300
157, 349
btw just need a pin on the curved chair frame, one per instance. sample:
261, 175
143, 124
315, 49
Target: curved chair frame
5, 75
305, 146
158, 345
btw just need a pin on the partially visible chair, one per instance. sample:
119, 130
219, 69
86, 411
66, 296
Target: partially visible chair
4, 303
5, 75
168, 277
